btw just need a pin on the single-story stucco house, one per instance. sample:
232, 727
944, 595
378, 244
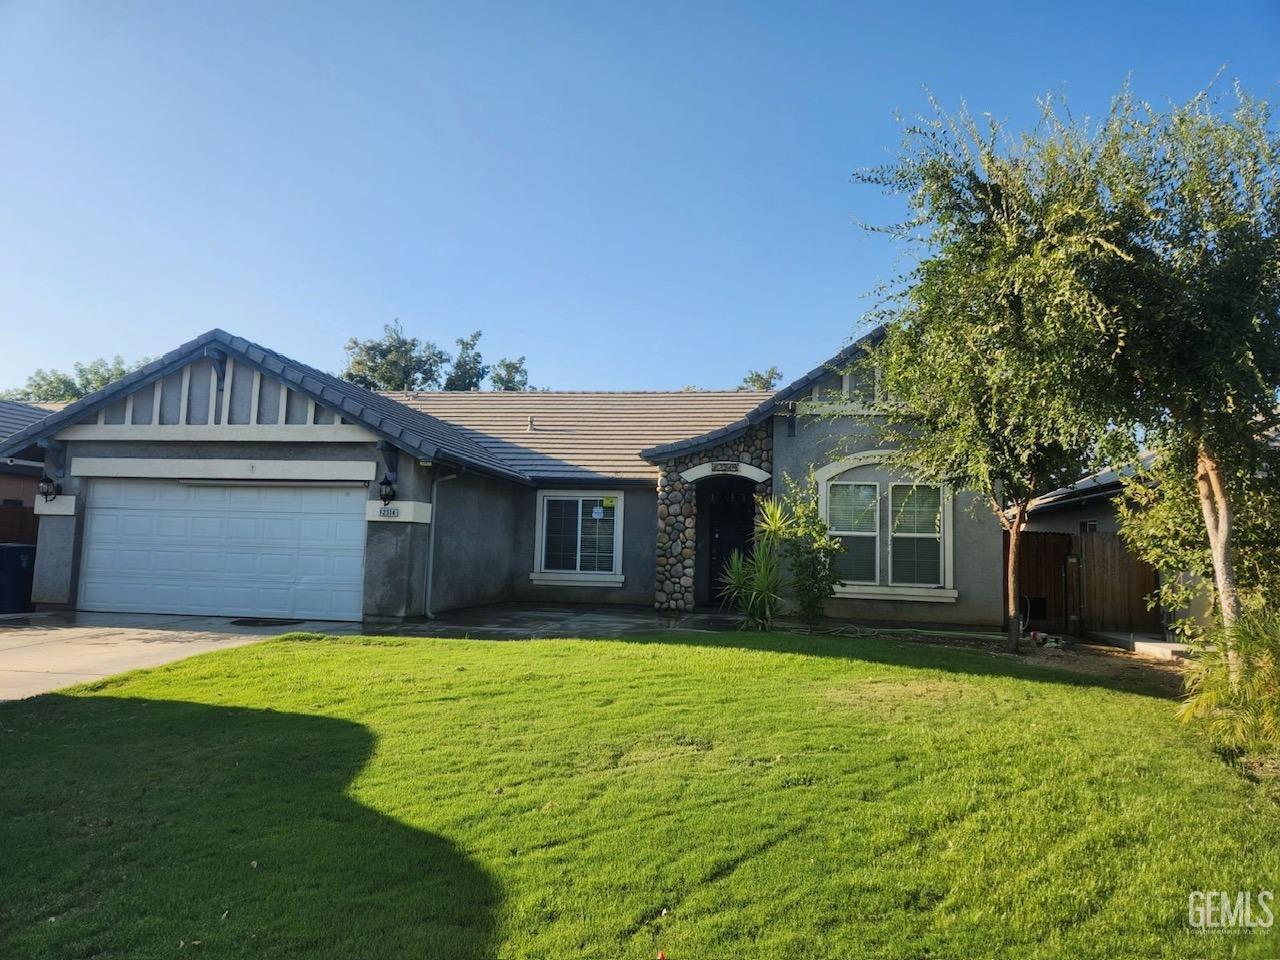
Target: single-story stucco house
226, 479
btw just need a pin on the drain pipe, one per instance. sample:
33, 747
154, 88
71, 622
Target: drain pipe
431, 541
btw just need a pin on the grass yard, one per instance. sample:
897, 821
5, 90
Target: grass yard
713, 796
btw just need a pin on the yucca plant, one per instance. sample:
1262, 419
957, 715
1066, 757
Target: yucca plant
1242, 712
754, 583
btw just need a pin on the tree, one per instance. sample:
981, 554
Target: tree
394, 361
982, 337
88, 378
1161, 522
1193, 331
469, 368
761, 379
509, 375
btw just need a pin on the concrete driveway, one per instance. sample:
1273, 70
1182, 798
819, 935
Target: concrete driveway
40, 652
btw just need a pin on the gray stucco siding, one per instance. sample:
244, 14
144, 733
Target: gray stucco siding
1067, 519
976, 546
639, 543
475, 520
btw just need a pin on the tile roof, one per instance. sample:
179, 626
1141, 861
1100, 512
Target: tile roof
582, 436
16, 415
415, 432
767, 407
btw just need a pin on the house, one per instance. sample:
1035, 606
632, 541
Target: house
20, 472
224, 478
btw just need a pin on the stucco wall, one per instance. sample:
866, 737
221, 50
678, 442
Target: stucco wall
1068, 519
475, 521
639, 533
810, 441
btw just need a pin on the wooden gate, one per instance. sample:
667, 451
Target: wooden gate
1074, 583
1042, 580
1114, 586
17, 524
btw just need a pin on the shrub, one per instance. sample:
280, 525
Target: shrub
754, 582
790, 530
810, 551
1242, 714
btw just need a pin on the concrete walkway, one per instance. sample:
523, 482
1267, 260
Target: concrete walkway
1148, 644
40, 652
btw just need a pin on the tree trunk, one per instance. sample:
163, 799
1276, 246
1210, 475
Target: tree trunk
1215, 505
1012, 607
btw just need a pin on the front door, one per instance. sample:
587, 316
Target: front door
729, 505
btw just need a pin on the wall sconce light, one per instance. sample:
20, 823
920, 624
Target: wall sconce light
386, 490
49, 488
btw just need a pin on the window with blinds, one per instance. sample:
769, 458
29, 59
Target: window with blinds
578, 534
853, 515
915, 537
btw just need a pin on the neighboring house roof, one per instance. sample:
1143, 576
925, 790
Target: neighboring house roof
766, 408
16, 415
575, 437
413, 431
1103, 485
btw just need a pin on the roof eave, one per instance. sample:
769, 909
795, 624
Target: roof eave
766, 409
254, 356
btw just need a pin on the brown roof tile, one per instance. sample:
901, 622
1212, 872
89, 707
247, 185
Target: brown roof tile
582, 436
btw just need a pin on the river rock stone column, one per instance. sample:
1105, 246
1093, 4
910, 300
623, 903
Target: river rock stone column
678, 511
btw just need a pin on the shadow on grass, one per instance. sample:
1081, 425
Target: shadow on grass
888, 651
137, 828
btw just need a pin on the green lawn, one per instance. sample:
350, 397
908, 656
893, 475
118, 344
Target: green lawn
714, 796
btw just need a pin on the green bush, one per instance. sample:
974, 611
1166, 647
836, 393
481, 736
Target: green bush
754, 582
810, 551
1242, 712
790, 530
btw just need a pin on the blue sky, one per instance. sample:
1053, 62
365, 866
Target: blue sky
632, 195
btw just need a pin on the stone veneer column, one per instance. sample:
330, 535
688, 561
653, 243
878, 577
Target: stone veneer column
678, 512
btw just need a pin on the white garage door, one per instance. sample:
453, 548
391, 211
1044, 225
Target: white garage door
162, 546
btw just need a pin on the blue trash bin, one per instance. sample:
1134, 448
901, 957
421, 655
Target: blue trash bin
17, 564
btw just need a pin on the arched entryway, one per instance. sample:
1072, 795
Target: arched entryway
725, 521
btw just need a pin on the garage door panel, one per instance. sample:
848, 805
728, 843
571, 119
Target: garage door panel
173, 526
168, 547
346, 568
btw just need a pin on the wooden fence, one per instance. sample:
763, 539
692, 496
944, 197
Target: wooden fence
17, 524
1077, 583
1115, 586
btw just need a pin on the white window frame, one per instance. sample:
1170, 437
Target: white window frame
940, 536
578, 577
947, 593
824, 503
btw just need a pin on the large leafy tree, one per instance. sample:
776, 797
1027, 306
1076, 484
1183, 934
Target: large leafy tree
394, 361
1161, 520
983, 336
469, 368
85, 379
1193, 336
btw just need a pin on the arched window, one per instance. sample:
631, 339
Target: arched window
896, 532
